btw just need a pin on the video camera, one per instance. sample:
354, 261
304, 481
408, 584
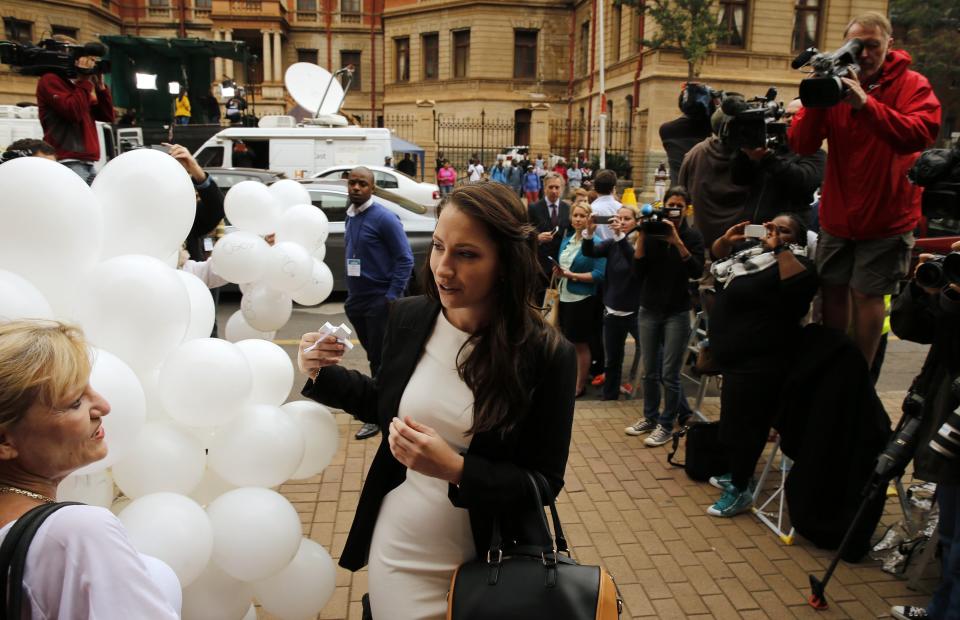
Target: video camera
52, 56
653, 221
755, 123
939, 271
824, 88
937, 171
698, 100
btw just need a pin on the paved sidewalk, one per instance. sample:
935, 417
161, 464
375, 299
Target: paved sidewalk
625, 508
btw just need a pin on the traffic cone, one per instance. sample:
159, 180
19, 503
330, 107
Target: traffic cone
629, 199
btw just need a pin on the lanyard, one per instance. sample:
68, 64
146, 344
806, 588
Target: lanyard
356, 232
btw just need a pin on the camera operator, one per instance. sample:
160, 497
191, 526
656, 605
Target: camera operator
68, 109
697, 104
779, 179
932, 316
665, 265
764, 291
868, 209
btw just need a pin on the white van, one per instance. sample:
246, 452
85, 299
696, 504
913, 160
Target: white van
299, 152
17, 123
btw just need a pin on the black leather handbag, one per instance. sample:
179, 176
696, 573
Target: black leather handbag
535, 579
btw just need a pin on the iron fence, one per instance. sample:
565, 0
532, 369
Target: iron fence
567, 136
401, 125
461, 139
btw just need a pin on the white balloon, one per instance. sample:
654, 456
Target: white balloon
320, 253
51, 226
272, 371
256, 532
172, 528
250, 205
135, 307
320, 434
203, 312
150, 381
148, 203
305, 225
240, 256
302, 588
289, 267
288, 193
118, 384
318, 288
215, 595
262, 447
265, 309
205, 382
165, 458
21, 300
210, 488
238, 329
93, 489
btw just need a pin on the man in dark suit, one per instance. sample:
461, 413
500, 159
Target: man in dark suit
551, 216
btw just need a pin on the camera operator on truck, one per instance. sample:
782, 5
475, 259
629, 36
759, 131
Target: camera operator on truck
868, 209
931, 315
70, 104
779, 179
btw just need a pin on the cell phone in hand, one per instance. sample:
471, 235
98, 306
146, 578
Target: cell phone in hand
755, 230
602, 219
553, 261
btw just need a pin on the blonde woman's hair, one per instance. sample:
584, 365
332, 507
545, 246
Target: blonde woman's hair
41, 362
585, 206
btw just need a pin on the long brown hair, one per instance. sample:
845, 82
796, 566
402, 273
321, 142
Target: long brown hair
506, 354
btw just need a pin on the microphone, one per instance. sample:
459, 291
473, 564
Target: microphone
803, 58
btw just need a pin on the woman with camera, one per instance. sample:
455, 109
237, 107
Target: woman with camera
764, 291
80, 564
475, 390
931, 315
621, 291
579, 276
669, 253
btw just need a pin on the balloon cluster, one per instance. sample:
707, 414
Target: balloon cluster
272, 277
198, 430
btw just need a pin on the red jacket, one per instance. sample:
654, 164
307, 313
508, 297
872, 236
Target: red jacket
68, 118
866, 194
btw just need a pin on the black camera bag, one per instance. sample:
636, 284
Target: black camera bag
705, 456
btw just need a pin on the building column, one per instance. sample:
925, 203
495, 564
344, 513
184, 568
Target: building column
277, 58
217, 62
228, 62
267, 57
540, 128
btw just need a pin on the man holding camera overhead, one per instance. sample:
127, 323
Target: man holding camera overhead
69, 107
868, 209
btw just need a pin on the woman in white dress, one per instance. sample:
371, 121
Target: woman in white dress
474, 390
80, 564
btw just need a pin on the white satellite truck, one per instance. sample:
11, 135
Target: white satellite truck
300, 149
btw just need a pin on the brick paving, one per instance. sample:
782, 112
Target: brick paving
625, 508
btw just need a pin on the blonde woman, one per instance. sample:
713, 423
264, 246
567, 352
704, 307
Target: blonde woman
81, 563
579, 276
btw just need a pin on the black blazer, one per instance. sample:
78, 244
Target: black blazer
540, 216
493, 471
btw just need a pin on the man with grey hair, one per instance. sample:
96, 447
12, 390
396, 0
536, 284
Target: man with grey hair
551, 216
868, 208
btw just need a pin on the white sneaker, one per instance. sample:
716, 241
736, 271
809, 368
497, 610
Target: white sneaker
642, 427
658, 437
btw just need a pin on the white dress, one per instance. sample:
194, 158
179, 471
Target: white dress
420, 537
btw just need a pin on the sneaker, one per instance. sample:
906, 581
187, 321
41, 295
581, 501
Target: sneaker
642, 427
367, 430
599, 380
722, 482
658, 437
732, 502
908, 612
627, 389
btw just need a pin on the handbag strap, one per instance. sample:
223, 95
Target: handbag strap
677, 436
557, 541
13, 555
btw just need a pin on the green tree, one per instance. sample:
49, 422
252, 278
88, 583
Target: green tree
687, 26
930, 31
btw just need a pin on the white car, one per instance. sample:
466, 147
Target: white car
394, 181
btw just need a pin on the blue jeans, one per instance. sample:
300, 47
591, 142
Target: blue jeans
615, 330
945, 604
83, 169
671, 333
183, 120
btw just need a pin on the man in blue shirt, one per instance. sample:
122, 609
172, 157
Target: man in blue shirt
379, 263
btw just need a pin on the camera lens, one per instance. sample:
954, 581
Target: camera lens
951, 267
930, 274
946, 441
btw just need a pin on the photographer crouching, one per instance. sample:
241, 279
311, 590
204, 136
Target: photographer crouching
71, 100
928, 312
764, 290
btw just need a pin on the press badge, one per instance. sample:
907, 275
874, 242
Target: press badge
353, 267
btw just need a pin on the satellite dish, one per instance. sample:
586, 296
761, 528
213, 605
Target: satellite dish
313, 88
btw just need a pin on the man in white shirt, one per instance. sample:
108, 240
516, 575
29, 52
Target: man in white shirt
605, 205
475, 170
